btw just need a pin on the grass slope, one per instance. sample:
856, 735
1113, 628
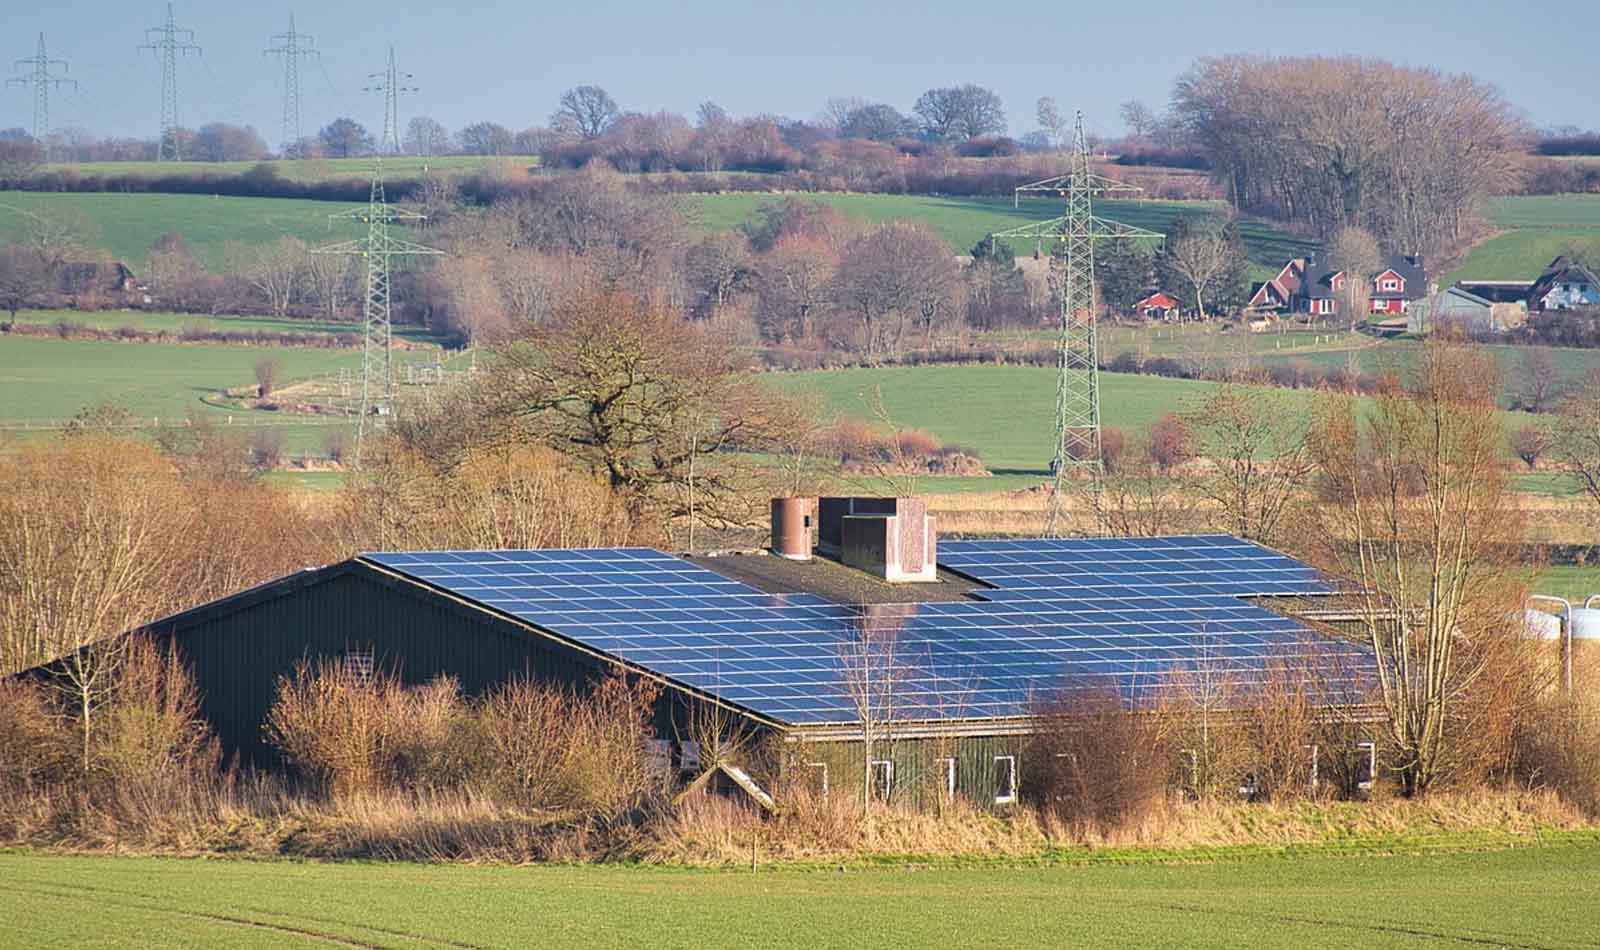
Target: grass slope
1545, 211
1536, 897
964, 221
129, 224
163, 321
319, 169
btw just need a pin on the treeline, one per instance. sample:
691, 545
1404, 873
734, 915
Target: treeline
1325, 142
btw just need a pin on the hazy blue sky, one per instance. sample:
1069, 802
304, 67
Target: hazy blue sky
508, 62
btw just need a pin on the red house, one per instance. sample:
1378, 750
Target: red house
1402, 280
1159, 305
1279, 292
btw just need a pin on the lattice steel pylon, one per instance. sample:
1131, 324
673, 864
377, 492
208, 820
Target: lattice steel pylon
1077, 444
41, 79
390, 83
169, 41
291, 48
377, 328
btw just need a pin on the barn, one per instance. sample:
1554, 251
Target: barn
858, 615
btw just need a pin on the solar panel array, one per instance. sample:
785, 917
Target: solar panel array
1128, 614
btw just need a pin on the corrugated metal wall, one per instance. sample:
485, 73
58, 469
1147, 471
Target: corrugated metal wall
238, 657
919, 774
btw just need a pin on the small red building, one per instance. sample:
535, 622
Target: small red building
1159, 305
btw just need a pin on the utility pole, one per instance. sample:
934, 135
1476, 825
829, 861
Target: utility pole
1077, 348
389, 82
41, 80
291, 48
168, 41
376, 249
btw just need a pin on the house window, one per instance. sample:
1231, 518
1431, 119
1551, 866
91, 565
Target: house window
947, 777
689, 757
658, 755
882, 779
1005, 785
1391, 285
358, 666
1366, 763
819, 778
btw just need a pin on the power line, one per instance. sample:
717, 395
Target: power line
389, 83
42, 80
168, 41
291, 48
1077, 346
376, 249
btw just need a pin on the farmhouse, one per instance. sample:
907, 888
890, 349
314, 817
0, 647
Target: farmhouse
1564, 285
1402, 281
859, 619
1157, 306
1278, 294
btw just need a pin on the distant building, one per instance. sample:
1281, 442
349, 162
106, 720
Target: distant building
1403, 280
1564, 285
1157, 306
1278, 294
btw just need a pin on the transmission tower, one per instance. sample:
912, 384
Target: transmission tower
390, 82
41, 79
291, 48
1077, 443
376, 250
169, 41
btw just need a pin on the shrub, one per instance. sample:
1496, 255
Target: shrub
1170, 443
1558, 747
35, 747
150, 731
1528, 443
266, 448
1095, 763
267, 371
1113, 445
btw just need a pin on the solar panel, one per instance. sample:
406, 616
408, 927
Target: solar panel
1122, 612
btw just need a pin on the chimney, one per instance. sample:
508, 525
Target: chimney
794, 527
892, 538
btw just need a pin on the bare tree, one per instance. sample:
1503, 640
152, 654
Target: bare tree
1141, 122
1576, 442
1354, 251
716, 267
1051, 120
958, 113
1199, 258
58, 237
274, 270
426, 136
1417, 515
895, 276
872, 676
22, 279
587, 111
792, 286
267, 372
1258, 459
327, 277
1539, 385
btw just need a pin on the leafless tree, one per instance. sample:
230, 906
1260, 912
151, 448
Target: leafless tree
1051, 120
22, 279
958, 113
716, 267
274, 270
793, 282
587, 111
1200, 257
1354, 251
1576, 442
1540, 385
1138, 118
1258, 459
327, 278
267, 373
893, 277
872, 675
1416, 513
58, 237
426, 136
19, 160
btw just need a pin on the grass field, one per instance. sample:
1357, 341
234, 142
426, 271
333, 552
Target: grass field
1533, 897
161, 321
318, 169
129, 224
1545, 211
964, 221
1519, 254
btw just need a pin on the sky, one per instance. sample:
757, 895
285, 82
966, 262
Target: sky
509, 62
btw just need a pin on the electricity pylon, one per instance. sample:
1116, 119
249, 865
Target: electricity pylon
291, 48
1077, 347
377, 329
168, 41
41, 80
389, 82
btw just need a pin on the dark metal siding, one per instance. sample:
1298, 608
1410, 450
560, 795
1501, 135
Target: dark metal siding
239, 656
918, 777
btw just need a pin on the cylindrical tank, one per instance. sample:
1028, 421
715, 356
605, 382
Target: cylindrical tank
1540, 625
1586, 654
794, 527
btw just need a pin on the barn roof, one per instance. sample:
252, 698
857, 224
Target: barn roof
1038, 614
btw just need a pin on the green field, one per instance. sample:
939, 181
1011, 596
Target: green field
155, 321
312, 170
1536, 230
1532, 897
1545, 211
963, 222
129, 224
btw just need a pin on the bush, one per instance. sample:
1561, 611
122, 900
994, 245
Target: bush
1170, 442
1094, 763
35, 747
1113, 444
266, 448
1558, 747
267, 372
1528, 443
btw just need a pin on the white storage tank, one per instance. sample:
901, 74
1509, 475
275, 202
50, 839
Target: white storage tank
1540, 625
1586, 651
